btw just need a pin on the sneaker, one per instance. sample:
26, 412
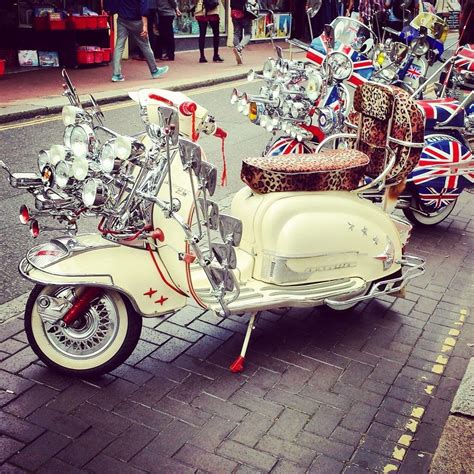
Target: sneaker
217, 59
118, 78
159, 72
238, 55
203, 60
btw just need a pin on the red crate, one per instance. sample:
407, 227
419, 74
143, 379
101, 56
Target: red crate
2, 67
107, 54
91, 22
102, 21
77, 22
99, 56
56, 24
85, 56
40, 23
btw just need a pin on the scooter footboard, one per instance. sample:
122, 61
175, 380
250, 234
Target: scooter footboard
94, 262
411, 267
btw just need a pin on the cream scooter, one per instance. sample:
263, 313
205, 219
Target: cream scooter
157, 244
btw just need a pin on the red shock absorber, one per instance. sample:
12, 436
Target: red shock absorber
81, 304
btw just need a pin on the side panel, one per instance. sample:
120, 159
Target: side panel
128, 269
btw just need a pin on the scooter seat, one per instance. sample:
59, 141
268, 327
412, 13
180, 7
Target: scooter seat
332, 170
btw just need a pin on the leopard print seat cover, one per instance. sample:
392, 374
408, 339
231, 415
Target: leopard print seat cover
332, 170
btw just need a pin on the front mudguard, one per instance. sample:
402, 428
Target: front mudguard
93, 261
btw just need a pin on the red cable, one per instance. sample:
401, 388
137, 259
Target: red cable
161, 274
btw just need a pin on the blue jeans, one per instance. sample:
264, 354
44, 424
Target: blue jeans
134, 28
242, 25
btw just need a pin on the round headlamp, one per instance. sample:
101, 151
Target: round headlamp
276, 91
123, 147
398, 51
107, 157
234, 97
43, 159
80, 168
327, 120
251, 75
63, 173
67, 135
81, 139
57, 153
94, 193
314, 85
420, 46
71, 114
340, 65
268, 68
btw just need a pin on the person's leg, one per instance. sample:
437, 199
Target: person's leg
151, 17
215, 38
144, 45
247, 28
237, 31
122, 35
202, 40
166, 29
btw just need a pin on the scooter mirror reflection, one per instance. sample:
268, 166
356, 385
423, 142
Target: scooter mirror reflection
170, 120
329, 33
230, 229
313, 6
190, 154
225, 255
211, 210
221, 276
208, 177
154, 131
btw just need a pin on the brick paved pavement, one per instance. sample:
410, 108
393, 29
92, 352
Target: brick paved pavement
321, 392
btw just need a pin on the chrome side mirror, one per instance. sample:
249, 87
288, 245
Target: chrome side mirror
69, 90
208, 177
230, 229
190, 154
225, 255
170, 121
221, 276
313, 6
211, 210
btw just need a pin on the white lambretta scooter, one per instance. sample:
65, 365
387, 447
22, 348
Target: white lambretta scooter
156, 246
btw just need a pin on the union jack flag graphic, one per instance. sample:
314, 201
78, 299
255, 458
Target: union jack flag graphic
465, 58
288, 145
437, 198
445, 164
414, 71
440, 110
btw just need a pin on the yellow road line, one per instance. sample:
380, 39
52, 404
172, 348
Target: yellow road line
120, 105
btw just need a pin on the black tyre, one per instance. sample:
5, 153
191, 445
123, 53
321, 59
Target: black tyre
430, 219
98, 342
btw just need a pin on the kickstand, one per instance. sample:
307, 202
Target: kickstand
238, 364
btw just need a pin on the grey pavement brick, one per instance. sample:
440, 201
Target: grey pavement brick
11, 346
30, 400
170, 439
415, 461
284, 467
261, 382
73, 396
357, 356
179, 331
297, 402
203, 368
57, 466
325, 465
392, 419
226, 385
18, 428
285, 449
354, 393
152, 462
141, 351
154, 336
288, 424
343, 435
421, 375
359, 417
84, 448
211, 330
14, 383
376, 445
447, 389
18, 361
324, 421
153, 391
132, 374
8, 447
251, 429
385, 432
326, 356
40, 451
355, 374
141, 414
218, 407
427, 437
186, 315
397, 406
103, 464
256, 404
213, 433
340, 451
208, 462
325, 376
182, 411
293, 379
247, 455
101, 419
437, 412
171, 350
263, 361
371, 461
190, 388
46, 376
10, 327
375, 386
456, 367
203, 348
113, 394
131, 442
293, 358
61, 423
327, 398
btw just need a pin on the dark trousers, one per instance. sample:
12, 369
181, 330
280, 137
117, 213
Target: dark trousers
166, 38
215, 36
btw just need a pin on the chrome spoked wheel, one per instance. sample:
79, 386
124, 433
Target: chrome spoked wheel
103, 336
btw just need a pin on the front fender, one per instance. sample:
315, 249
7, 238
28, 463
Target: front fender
91, 260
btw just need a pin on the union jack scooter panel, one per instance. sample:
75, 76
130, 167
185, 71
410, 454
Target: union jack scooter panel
363, 68
465, 58
439, 110
445, 168
287, 145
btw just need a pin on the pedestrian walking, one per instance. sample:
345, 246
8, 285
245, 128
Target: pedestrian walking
167, 12
242, 23
132, 21
207, 13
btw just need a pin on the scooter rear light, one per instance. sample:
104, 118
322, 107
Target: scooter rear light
24, 214
34, 228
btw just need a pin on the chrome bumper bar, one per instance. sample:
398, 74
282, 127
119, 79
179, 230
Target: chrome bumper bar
411, 267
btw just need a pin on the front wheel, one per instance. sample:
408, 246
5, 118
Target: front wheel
97, 342
428, 218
